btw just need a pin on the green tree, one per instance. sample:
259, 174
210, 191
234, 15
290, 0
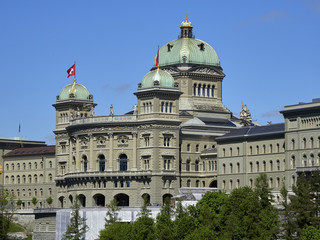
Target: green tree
315, 196
310, 233
116, 231
301, 204
7, 208
184, 223
164, 228
49, 201
143, 229
249, 214
34, 201
112, 213
288, 224
77, 227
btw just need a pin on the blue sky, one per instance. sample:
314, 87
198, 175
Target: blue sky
269, 51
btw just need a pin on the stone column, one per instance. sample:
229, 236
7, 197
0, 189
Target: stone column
91, 161
134, 151
77, 167
69, 168
110, 160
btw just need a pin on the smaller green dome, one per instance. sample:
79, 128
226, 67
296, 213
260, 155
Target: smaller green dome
157, 78
79, 91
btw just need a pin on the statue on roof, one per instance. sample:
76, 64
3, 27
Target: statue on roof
245, 115
111, 111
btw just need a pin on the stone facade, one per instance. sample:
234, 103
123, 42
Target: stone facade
30, 172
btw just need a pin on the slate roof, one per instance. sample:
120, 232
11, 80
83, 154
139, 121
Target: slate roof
32, 151
252, 131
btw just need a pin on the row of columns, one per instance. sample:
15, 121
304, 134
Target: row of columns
204, 90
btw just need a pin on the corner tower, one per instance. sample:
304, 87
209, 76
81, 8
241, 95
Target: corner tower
195, 66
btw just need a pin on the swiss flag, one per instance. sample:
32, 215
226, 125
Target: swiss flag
71, 71
157, 59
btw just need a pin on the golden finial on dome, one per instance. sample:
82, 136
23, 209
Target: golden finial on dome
186, 17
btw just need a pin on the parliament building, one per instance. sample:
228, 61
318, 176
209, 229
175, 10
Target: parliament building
179, 136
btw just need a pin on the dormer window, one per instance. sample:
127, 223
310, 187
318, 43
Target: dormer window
201, 46
169, 47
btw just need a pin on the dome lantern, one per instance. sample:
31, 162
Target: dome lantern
186, 28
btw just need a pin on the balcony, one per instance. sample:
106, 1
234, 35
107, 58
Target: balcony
103, 119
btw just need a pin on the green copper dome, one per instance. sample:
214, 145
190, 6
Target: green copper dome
79, 91
157, 78
187, 50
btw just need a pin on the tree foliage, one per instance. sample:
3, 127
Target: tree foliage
7, 209
77, 227
244, 214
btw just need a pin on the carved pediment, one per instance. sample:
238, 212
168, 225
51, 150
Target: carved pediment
169, 70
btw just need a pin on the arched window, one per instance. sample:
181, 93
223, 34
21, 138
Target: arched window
271, 165
12, 179
30, 178
278, 182
85, 163
12, 166
197, 148
264, 149
18, 179
24, 178
199, 90
312, 159
18, 166
50, 177
271, 149
304, 142
197, 166
194, 89
231, 168
251, 167
311, 142
238, 151
188, 147
35, 165
203, 166
208, 91
293, 144
188, 183
257, 166
231, 184
271, 183
188, 165
257, 149
304, 160
238, 167
224, 185
224, 168
293, 162
278, 147
212, 91
264, 166
35, 178
204, 90
102, 163
250, 150
278, 165
231, 152
123, 162
50, 164
293, 181
238, 183
30, 165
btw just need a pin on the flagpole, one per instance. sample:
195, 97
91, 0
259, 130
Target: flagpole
158, 57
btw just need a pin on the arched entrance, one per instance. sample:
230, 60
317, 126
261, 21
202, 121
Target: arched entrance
82, 200
166, 197
61, 200
214, 184
99, 200
146, 197
122, 199
123, 162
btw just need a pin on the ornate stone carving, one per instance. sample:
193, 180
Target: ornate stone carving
169, 70
245, 115
206, 71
